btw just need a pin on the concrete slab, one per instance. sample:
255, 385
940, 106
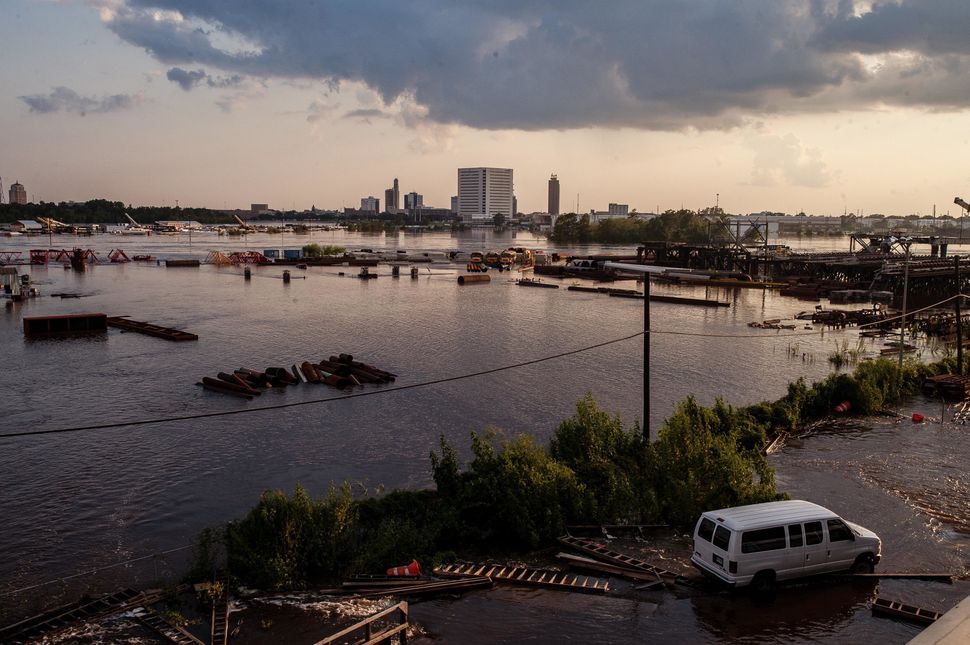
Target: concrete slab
952, 629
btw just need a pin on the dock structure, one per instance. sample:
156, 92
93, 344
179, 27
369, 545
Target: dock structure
65, 325
526, 576
168, 333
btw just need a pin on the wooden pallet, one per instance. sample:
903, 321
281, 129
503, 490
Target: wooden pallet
897, 609
168, 631
600, 552
526, 576
589, 564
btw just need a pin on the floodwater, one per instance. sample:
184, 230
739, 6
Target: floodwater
79, 501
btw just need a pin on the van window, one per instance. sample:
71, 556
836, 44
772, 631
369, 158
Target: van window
763, 540
794, 535
722, 537
838, 531
706, 529
813, 533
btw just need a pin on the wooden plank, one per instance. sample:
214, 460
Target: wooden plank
635, 575
938, 577
601, 552
537, 578
901, 610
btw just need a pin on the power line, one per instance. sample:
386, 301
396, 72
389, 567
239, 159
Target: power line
209, 415
11, 592
399, 388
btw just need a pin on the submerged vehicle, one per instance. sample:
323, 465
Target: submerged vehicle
761, 544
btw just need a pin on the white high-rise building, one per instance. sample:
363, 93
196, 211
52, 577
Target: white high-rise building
484, 193
370, 204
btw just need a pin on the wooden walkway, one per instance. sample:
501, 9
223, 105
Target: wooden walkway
526, 576
149, 329
600, 552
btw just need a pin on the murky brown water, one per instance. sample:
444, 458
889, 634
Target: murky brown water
78, 501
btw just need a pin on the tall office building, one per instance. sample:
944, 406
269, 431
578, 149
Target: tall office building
413, 201
18, 194
392, 198
553, 195
484, 193
454, 204
370, 204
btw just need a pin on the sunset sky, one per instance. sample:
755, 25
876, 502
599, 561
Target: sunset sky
815, 105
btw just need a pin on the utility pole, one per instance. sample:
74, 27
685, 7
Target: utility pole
956, 307
902, 320
646, 357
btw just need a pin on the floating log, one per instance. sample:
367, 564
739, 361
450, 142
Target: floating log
525, 576
347, 359
525, 282
310, 372
897, 609
472, 278
212, 387
219, 384
232, 379
168, 333
298, 374
935, 577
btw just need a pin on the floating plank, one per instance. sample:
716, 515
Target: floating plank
938, 577
167, 630
526, 576
636, 575
600, 552
897, 609
408, 589
149, 329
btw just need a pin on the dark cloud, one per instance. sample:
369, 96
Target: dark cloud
188, 79
64, 99
544, 64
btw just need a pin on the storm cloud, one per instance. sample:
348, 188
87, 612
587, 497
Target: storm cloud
557, 64
64, 99
188, 79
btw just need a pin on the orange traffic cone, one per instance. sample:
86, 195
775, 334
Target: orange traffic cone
412, 570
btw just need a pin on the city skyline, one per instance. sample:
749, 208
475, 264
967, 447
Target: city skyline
822, 108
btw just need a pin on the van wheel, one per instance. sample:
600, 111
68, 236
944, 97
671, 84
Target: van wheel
763, 583
863, 564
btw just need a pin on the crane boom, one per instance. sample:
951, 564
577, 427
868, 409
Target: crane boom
961, 203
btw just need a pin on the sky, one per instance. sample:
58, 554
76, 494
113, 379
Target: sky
821, 106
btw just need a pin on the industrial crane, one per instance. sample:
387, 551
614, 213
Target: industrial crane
961, 203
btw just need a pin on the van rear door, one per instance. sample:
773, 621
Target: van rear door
711, 544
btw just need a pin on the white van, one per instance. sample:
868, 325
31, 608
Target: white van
760, 544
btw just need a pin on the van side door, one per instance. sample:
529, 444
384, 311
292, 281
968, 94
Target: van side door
816, 548
794, 562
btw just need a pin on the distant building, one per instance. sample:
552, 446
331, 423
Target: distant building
24, 225
18, 194
515, 205
454, 204
392, 198
370, 205
618, 210
553, 195
484, 193
413, 201
259, 209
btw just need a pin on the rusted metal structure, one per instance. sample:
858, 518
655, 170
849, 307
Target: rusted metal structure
65, 325
897, 609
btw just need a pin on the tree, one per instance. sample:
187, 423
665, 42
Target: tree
499, 220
